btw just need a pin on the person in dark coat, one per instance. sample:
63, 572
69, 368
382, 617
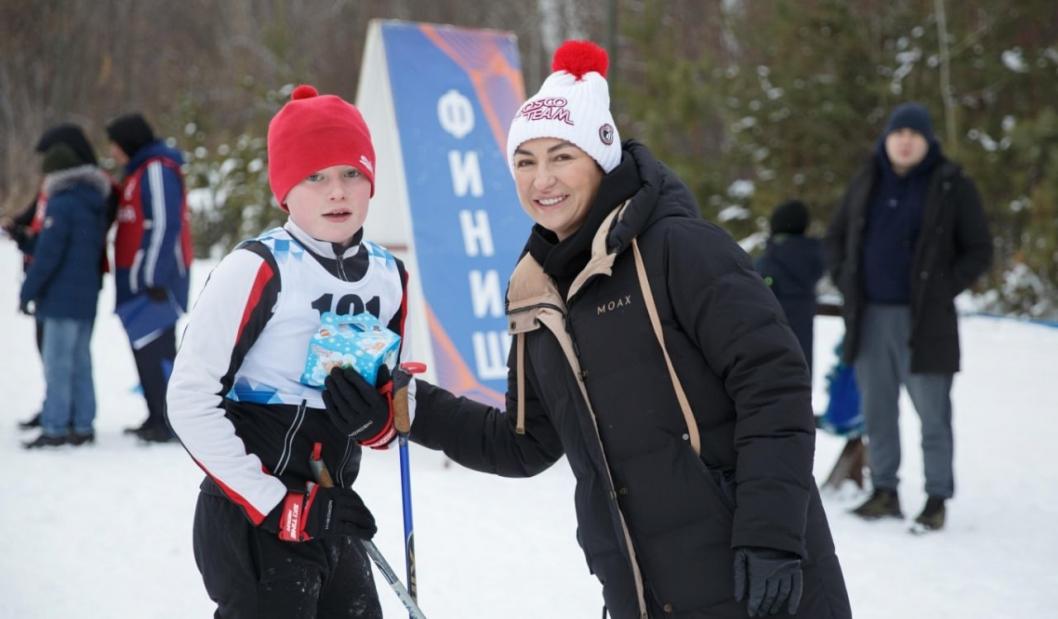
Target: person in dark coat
62, 287
909, 236
792, 265
25, 226
649, 352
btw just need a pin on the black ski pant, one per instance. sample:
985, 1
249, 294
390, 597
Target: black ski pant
154, 362
251, 574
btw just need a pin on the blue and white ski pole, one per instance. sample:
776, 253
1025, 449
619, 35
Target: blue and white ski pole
402, 423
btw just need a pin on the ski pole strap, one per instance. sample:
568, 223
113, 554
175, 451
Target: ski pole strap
655, 322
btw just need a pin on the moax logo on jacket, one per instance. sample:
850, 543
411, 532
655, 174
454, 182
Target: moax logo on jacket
612, 305
548, 108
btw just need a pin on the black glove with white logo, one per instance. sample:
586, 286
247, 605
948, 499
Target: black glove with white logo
772, 578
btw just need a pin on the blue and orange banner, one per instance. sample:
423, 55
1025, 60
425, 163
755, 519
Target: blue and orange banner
454, 94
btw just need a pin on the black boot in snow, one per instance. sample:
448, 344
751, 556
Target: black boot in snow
932, 516
884, 503
135, 430
77, 439
45, 441
159, 433
29, 424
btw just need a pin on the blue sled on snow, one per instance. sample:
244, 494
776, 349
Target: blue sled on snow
843, 416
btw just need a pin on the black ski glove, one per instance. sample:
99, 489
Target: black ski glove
362, 411
157, 294
771, 577
301, 517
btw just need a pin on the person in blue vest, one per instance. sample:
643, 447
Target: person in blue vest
62, 288
909, 236
152, 256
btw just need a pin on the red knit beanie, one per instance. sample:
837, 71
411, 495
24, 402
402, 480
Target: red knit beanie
312, 132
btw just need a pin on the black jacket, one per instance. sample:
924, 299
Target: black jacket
747, 385
954, 248
792, 265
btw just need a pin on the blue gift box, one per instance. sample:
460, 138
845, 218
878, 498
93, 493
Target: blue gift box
359, 341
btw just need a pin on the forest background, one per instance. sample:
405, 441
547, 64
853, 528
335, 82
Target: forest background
751, 101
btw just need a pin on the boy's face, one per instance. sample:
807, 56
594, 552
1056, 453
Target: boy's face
331, 204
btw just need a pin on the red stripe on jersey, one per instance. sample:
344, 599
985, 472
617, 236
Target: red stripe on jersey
264, 275
255, 516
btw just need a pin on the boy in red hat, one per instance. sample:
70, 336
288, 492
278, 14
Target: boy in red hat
268, 541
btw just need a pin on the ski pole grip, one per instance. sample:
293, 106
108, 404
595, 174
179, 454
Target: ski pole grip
401, 413
319, 469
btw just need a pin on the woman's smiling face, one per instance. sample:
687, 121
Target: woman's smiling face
556, 183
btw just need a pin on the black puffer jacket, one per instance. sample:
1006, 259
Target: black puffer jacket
953, 249
649, 509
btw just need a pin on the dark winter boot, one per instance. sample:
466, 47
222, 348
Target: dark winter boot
135, 430
77, 439
45, 441
156, 434
884, 503
932, 516
29, 424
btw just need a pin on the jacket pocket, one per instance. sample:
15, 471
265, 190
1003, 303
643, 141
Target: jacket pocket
725, 483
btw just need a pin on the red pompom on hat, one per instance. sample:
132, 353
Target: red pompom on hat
312, 132
573, 104
580, 57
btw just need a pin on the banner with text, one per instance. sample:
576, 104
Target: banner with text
454, 93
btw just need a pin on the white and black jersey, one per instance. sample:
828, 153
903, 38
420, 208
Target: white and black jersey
235, 399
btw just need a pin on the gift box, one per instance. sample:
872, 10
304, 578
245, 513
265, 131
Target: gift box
359, 342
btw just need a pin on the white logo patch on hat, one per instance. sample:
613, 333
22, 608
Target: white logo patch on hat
606, 134
364, 161
547, 108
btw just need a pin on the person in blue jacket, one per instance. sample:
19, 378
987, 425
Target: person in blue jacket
62, 287
152, 258
792, 265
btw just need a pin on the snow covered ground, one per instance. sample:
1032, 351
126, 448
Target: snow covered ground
105, 531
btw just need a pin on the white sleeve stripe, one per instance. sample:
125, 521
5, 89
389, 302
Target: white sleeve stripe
195, 395
158, 213
134, 272
288, 440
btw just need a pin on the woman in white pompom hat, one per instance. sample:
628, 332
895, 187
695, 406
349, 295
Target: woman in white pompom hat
650, 353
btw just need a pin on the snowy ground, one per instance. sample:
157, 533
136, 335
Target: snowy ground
105, 531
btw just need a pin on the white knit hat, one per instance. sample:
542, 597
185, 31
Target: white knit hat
573, 104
